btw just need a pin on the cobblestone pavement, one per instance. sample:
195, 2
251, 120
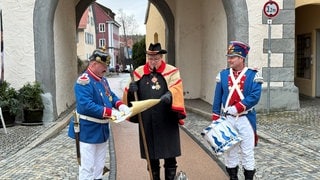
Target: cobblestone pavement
289, 145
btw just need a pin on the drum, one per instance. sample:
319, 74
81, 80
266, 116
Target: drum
221, 136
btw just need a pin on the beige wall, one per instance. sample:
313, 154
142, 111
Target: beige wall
65, 54
157, 29
305, 2
213, 46
82, 48
188, 32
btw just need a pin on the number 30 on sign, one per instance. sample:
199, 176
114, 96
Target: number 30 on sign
271, 9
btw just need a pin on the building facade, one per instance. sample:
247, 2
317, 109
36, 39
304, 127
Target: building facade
86, 35
107, 31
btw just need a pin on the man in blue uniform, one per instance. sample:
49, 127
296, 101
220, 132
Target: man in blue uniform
238, 90
94, 105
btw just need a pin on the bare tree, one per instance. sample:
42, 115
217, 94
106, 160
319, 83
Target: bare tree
128, 22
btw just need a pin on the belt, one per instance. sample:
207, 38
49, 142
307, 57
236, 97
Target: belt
236, 115
239, 115
92, 119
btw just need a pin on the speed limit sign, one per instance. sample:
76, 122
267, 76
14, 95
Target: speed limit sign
271, 9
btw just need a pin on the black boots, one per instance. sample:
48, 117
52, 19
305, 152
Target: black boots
170, 173
233, 173
248, 174
156, 173
170, 168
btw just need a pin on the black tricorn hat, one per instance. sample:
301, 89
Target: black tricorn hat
155, 49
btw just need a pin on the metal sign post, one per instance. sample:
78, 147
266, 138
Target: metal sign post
270, 10
269, 60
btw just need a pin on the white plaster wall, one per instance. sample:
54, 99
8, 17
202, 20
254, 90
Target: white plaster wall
65, 54
258, 32
19, 60
214, 46
208, 34
188, 33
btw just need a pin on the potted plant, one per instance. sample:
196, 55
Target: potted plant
31, 102
9, 103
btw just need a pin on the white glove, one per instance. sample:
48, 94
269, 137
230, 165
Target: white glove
231, 110
116, 114
125, 109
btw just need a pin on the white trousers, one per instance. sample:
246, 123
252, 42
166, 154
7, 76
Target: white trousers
93, 157
245, 149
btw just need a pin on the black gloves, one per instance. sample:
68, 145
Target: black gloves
133, 87
166, 98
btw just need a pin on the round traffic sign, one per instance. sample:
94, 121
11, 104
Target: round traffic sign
271, 9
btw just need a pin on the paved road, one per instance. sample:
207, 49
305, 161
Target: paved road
289, 146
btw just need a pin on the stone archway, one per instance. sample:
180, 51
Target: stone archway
44, 46
44, 12
237, 21
43, 19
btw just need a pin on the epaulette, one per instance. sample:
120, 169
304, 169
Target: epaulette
258, 78
218, 78
83, 79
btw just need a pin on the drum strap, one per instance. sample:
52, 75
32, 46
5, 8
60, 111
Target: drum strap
235, 85
237, 88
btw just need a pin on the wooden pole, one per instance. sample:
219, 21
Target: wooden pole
145, 146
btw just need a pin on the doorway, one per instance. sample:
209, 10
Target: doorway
317, 61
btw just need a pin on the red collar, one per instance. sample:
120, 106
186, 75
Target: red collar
93, 75
161, 68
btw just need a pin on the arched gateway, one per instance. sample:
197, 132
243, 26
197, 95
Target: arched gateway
55, 22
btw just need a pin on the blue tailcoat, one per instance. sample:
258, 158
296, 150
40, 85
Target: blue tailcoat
91, 99
251, 92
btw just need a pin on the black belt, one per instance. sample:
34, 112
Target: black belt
235, 116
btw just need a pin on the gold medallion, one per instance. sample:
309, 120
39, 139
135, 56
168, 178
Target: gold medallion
157, 87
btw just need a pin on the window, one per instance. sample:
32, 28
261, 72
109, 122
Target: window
102, 42
101, 27
304, 56
89, 38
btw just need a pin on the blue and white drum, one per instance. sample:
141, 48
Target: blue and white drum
221, 136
